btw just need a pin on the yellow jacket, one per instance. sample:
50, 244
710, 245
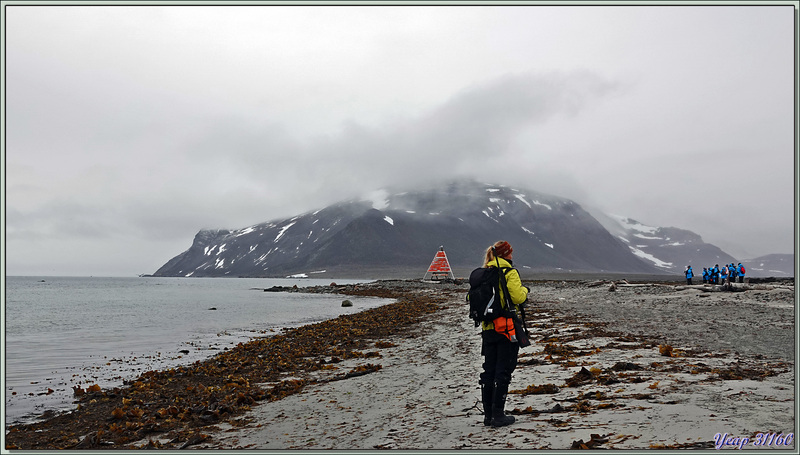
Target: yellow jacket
516, 290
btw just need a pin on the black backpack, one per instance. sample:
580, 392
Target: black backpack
484, 295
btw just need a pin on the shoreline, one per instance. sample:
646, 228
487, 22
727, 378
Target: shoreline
119, 328
180, 400
411, 383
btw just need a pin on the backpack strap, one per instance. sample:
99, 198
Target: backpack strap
504, 289
502, 279
523, 337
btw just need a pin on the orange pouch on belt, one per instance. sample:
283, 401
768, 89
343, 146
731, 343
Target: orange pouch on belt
505, 327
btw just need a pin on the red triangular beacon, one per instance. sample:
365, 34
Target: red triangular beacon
440, 268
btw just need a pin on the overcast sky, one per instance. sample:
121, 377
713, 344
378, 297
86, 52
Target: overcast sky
128, 129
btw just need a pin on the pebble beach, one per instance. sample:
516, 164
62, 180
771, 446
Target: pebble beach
613, 366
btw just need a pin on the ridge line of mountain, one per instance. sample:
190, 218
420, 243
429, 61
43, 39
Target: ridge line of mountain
401, 229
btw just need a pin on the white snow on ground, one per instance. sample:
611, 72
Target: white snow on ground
651, 258
245, 231
521, 197
634, 225
388, 220
646, 237
283, 231
623, 239
543, 205
264, 256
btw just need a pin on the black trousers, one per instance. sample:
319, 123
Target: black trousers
499, 358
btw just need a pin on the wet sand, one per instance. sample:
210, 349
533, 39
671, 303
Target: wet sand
614, 387
642, 367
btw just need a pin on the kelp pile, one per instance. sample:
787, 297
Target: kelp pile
598, 375
170, 408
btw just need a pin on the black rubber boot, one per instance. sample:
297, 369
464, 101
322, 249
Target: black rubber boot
499, 417
487, 395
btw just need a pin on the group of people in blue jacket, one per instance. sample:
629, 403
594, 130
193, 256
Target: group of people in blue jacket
729, 273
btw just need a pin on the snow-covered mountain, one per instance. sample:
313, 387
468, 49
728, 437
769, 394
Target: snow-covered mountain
668, 248
771, 265
403, 229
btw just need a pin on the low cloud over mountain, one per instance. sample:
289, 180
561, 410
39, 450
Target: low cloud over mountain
398, 231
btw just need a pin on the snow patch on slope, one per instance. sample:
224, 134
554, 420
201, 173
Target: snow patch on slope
521, 197
543, 205
631, 224
283, 231
245, 231
649, 257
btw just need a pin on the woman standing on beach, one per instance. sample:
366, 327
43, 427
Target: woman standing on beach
500, 353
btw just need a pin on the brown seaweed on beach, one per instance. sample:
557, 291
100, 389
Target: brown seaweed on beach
594, 441
534, 389
738, 372
174, 403
580, 378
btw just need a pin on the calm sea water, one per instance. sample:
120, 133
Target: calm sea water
64, 332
